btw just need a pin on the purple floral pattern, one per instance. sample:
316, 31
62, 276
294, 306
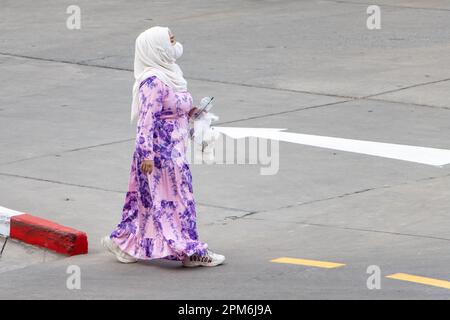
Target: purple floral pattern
159, 214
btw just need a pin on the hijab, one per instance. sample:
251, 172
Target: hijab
155, 56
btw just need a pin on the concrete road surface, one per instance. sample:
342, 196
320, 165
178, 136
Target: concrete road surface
312, 67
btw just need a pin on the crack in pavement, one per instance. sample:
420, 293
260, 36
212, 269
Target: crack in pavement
67, 151
248, 212
251, 213
227, 122
59, 182
64, 61
255, 86
131, 139
331, 226
408, 103
106, 190
294, 205
85, 64
367, 97
284, 112
407, 87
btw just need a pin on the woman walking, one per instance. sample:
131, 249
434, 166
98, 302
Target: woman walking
159, 214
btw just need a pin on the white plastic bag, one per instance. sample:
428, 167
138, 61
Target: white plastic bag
204, 137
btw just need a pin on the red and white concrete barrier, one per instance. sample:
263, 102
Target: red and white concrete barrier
43, 233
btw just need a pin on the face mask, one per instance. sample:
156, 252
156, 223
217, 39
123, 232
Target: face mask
176, 51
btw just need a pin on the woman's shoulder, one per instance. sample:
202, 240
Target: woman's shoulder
151, 82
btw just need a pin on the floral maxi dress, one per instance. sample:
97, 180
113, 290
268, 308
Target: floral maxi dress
159, 215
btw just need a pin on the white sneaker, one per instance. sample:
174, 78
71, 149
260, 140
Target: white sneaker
115, 250
211, 259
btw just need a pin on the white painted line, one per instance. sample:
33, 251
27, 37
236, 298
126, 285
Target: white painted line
423, 155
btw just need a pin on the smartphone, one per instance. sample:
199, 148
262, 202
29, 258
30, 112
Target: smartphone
206, 106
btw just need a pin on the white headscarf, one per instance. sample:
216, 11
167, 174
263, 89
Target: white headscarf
155, 55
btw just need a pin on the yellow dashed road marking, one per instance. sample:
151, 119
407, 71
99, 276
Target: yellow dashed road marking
421, 280
311, 263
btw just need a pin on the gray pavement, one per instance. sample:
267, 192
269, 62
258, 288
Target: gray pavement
309, 66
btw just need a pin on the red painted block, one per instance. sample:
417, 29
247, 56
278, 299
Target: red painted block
47, 234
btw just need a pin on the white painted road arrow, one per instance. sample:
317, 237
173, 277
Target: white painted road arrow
424, 155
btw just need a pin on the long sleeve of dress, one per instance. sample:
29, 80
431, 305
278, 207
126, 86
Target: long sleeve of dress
151, 96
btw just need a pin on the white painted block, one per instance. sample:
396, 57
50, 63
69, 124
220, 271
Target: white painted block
5, 218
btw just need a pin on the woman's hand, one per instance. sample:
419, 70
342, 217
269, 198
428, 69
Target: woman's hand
193, 111
147, 166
